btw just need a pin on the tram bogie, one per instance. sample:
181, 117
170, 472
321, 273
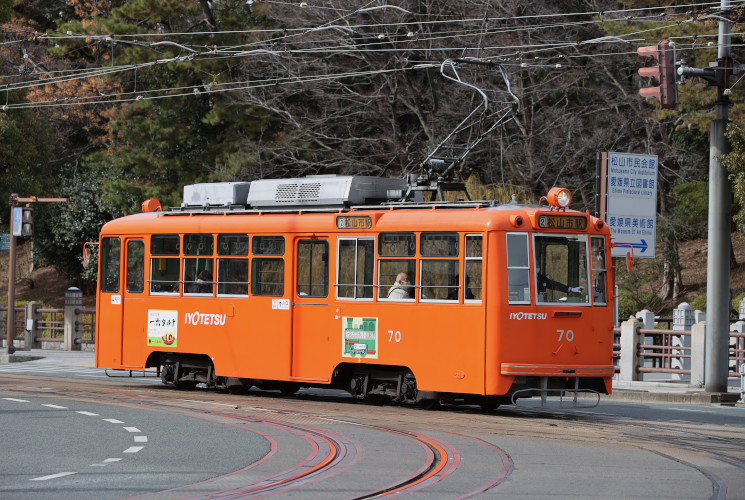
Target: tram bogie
414, 303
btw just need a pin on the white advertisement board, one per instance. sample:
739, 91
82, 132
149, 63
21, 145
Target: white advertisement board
632, 203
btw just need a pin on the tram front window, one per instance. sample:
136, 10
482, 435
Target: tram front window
561, 269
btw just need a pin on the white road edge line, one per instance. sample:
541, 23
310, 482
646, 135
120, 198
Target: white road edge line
16, 400
52, 476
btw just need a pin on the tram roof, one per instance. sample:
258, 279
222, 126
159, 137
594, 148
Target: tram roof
314, 204
423, 217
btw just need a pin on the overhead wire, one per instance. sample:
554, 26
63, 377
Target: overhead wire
216, 53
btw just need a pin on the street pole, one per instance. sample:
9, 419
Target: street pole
718, 267
11, 321
14, 202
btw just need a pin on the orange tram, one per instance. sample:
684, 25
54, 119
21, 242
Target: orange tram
322, 282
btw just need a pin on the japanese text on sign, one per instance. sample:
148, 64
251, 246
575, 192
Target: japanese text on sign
632, 203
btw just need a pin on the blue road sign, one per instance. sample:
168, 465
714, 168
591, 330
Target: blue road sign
17, 221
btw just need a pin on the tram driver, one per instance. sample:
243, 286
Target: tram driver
546, 283
400, 288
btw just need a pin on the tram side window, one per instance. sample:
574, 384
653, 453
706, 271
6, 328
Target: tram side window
198, 263
232, 266
135, 266
110, 260
561, 268
313, 268
268, 245
439, 278
268, 274
518, 268
356, 268
165, 263
599, 271
396, 276
474, 259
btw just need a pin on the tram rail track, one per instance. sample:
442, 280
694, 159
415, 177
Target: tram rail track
714, 452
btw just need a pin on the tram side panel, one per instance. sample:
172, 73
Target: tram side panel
442, 344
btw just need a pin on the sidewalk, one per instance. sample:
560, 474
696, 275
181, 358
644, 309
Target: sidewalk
672, 392
647, 391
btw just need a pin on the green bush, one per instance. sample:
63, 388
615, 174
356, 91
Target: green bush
699, 303
736, 301
631, 303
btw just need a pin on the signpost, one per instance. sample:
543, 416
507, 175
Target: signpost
22, 224
630, 187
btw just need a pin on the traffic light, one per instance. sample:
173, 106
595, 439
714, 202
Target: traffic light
27, 221
664, 72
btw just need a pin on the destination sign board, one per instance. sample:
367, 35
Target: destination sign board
552, 221
354, 222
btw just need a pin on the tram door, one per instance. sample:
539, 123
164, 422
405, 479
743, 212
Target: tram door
312, 312
134, 315
109, 337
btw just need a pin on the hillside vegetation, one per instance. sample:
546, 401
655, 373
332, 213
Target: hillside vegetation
111, 102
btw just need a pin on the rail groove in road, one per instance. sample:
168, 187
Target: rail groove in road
322, 447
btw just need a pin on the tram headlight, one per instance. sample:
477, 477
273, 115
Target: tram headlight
559, 197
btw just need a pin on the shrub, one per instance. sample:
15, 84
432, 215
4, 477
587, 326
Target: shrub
699, 303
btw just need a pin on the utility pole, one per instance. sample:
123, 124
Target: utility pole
720, 193
720, 215
22, 224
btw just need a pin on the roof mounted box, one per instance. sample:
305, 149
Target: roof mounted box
322, 191
216, 194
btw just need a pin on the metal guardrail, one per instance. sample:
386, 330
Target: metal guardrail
20, 313
71, 326
50, 325
663, 351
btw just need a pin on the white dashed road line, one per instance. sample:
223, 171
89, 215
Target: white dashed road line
52, 476
131, 449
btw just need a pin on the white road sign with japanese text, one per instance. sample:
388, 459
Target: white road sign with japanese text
632, 203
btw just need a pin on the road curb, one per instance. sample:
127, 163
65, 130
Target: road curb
18, 358
687, 397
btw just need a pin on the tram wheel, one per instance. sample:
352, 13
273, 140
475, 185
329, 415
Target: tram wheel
428, 404
185, 385
489, 405
289, 389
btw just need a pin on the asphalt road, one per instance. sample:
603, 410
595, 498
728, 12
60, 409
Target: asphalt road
61, 448
71, 432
